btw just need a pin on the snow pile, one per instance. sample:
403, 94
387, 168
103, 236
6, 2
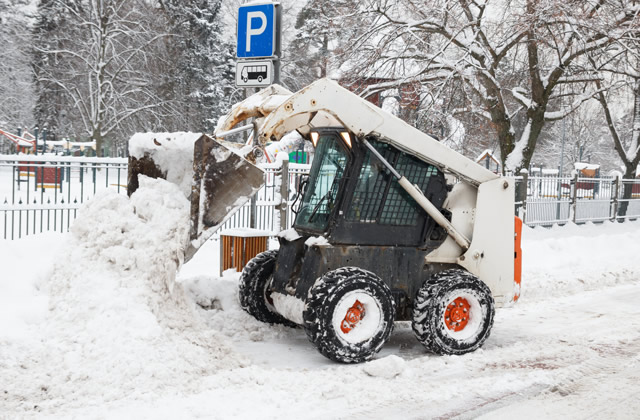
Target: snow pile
388, 367
218, 300
171, 152
119, 326
568, 259
123, 338
22, 303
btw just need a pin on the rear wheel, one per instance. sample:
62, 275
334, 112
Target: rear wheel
453, 313
349, 314
254, 291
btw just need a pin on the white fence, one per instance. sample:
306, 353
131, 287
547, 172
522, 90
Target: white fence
43, 193
555, 200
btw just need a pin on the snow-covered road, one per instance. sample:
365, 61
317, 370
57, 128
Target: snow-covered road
99, 329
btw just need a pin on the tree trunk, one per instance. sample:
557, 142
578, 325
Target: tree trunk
97, 137
627, 190
631, 166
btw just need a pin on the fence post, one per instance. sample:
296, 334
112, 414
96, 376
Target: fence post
615, 203
253, 217
284, 193
524, 187
574, 197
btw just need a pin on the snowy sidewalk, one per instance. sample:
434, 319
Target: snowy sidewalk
93, 325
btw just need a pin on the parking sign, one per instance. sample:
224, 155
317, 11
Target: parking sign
256, 31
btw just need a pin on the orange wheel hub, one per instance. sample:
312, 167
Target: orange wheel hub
353, 316
456, 316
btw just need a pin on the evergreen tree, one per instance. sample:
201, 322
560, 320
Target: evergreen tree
323, 28
202, 80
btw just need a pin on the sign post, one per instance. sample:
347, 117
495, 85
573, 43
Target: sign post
258, 40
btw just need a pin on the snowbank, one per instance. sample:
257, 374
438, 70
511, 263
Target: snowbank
118, 327
114, 334
567, 259
26, 266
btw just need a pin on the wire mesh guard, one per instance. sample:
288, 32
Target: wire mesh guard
379, 199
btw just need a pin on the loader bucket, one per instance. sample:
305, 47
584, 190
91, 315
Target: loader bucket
222, 182
216, 179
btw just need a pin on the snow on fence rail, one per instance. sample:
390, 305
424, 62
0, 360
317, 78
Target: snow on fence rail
43, 193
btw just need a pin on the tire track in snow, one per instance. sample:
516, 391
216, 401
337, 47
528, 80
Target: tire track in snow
601, 342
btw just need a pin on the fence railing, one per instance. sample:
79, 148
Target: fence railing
549, 200
263, 211
43, 193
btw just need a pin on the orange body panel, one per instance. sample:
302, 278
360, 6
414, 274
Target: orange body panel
517, 272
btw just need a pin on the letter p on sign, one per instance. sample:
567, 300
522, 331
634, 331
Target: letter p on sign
256, 31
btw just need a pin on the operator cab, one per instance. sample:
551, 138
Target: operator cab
352, 199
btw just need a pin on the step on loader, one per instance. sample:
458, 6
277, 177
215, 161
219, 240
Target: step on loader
391, 225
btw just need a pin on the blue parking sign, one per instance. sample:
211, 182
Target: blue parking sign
256, 31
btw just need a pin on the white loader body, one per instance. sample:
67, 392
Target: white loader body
481, 205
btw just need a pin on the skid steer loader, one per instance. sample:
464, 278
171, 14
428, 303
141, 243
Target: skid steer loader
391, 226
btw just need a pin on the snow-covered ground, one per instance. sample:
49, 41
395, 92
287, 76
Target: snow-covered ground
94, 324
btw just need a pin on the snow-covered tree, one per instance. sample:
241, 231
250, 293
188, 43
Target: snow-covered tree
622, 64
318, 33
98, 60
511, 56
16, 89
202, 80
585, 137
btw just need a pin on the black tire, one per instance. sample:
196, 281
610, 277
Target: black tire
441, 323
253, 290
332, 297
259, 79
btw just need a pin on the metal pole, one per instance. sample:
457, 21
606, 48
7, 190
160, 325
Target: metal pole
235, 130
276, 62
574, 198
35, 146
560, 172
284, 194
253, 217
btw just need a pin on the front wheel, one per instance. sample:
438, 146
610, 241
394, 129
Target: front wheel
453, 313
254, 291
349, 314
